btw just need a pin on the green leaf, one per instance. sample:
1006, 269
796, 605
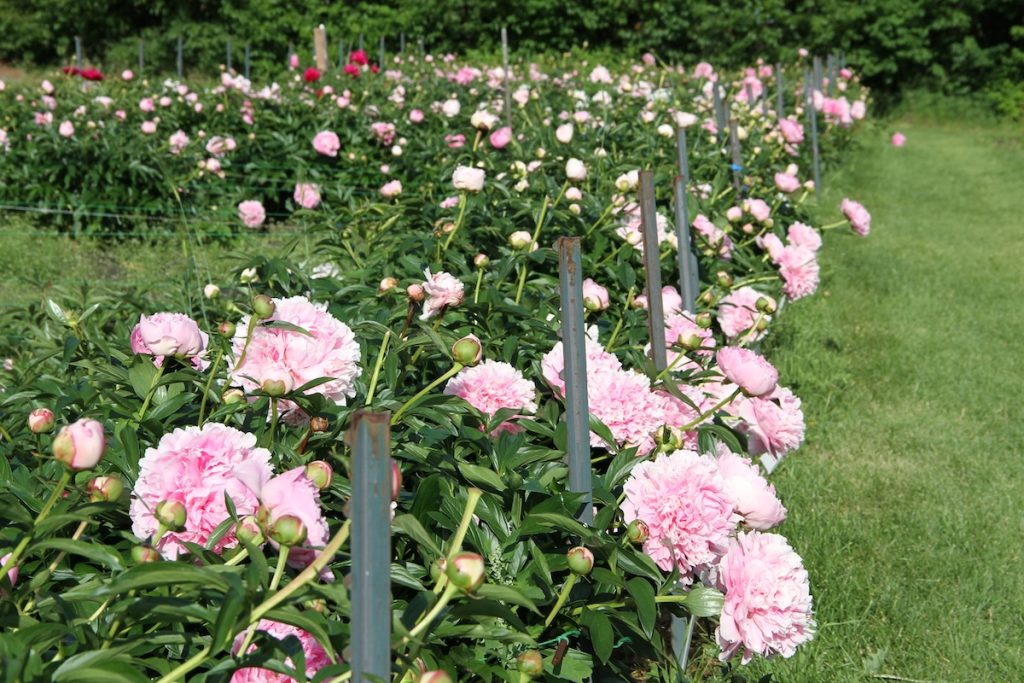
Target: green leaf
411, 527
283, 325
506, 594
601, 634
576, 666
482, 477
141, 375
96, 670
56, 312
643, 593
227, 614
100, 554
164, 574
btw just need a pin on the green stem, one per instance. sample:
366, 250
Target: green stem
152, 390
412, 401
476, 290
833, 226
27, 538
563, 596
472, 498
273, 423
427, 618
684, 656
714, 409
182, 669
601, 219
282, 560
209, 383
463, 201
536, 235
248, 338
376, 367
237, 559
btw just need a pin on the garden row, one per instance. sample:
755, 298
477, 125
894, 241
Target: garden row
546, 453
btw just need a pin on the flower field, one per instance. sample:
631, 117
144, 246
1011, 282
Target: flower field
196, 484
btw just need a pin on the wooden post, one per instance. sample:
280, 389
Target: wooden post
248, 62
142, 56
780, 86
320, 47
652, 269
370, 439
78, 52
737, 160
687, 261
574, 348
180, 60
506, 77
227, 50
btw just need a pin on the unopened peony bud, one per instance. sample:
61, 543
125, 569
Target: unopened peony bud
232, 396
530, 663
318, 424
467, 350
415, 292
211, 291
761, 325
171, 514
40, 420
288, 530
105, 489
708, 297
575, 209
690, 342
580, 560
723, 279
262, 306
320, 473
80, 445
396, 479
249, 530
637, 532
142, 554
481, 261
765, 305
226, 329
703, 320
277, 383
438, 567
466, 571
520, 239
436, 676
748, 229
387, 284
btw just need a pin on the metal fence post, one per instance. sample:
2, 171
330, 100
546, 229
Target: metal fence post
577, 407
652, 269
687, 261
737, 160
180, 58
381, 61
248, 62
813, 113
142, 55
780, 87
227, 51
506, 77
370, 439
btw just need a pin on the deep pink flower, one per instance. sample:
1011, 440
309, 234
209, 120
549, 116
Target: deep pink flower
358, 57
195, 467
455, 141
899, 139
501, 137
768, 605
492, 386
682, 499
315, 655
311, 75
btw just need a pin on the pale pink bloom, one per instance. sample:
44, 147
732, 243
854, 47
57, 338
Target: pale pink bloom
631, 229
327, 143
595, 297
804, 236
772, 244
599, 361
168, 334
147, 105
600, 74
501, 137
127, 75
252, 213
292, 494
733, 214
195, 467
564, 133
624, 402
703, 70
787, 183
12, 573
648, 59
671, 300
748, 370
178, 141
384, 132
683, 326
307, 195
218, 145
860, 219
416, 116
792, 131
315, 655
455, 141
679, 413
328, 348
442, 290
391, 188
737, 313
468, 178
758, 208
66, 129
682, 499
80, 445
574, 194
492, 386
449, 202
800, 272
711, 233
148, 127
899, 139
846, 74
774, 424
120, 114
768, 605
756, 500
857, 110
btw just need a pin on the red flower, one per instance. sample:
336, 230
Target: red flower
91, 74
374, 68
70, 70
358, 57
311, 75
352, 70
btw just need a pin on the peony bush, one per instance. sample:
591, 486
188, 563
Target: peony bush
190, 518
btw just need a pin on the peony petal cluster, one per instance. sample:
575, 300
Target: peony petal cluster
774, 424
168, 334
327, 143
325, 348
768, 605
315, 655
195, 467
748, 370
682, 499
442, 290
307, 195
755, 499
252, 213
800, 271
492, 386
860, 219
737, 313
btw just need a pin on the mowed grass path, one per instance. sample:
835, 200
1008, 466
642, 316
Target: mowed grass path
907, 502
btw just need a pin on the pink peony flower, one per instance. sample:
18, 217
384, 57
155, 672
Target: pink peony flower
384, 132
416, 116
66, 129
771, 243
327, 349
899, 139
442, 290
391, 189
624, 402
860, 219
773, 424
804, 236
737, 313
80, 445
252, 213
307, 195
195, 467
147, 104
315, 655
599, 361
792, 131
595, 297
327, 143
755, 498
748, 370
682, 328
455, 141
168, 334
501, 137
787, 183
468, 178
799, 269
703, 70
671, 300
768, 603
178, 142
682, 499
12, 573
759, 209
218, 145
492, 386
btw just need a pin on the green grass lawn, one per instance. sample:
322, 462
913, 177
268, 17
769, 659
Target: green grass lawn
907, 501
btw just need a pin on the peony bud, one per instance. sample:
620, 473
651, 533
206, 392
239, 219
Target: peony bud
320, 473
520, 239
80, 445
277, 383
637, 532
723, 279
530, 663
396, 479
318, 424
105, 489
249, 530
438, 567
580, 560
467, 350
171, 514
466, 571
481, 261
262, 306
288, 530
415, 292
40, 420
232, 396
575, 170
703, 320
226, 329
436, 676
211, 291
765, 305
142, 554
386, 285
